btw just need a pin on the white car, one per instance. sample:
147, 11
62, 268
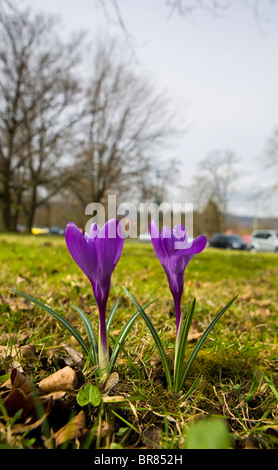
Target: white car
145, 237
264, 240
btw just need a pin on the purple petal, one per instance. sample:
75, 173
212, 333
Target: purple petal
91, 240
154, 230
79, 250
168, 241
109, 245
197, 245
94, 230
157, 242
179, 233
179, 238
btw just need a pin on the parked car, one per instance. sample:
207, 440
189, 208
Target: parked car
56, 231
39, 230
264, 240
144, 237
223, 240
20, 228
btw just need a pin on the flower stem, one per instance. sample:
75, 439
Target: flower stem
103, 352
177, 301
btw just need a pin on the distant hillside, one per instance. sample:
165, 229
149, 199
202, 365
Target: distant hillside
247, 222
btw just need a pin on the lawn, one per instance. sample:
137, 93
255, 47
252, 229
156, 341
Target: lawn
233, 379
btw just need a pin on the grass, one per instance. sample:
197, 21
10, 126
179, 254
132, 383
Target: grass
234, 376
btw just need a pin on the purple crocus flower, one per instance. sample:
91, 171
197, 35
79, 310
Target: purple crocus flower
97, 255
174, 253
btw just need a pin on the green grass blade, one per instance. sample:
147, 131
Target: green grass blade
123, 334
90, 333
58, 317
192, 388
121, 338
155, 337
200, 343
111, 316
271, 385
181, 345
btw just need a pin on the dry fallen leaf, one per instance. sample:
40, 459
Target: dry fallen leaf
29, 426
12, 354
246, 297
262, 303
250, 442
19, 398
16, 304
273, 430
110, 383
54, 396
65, 379
194, 332
75, 355
8, 352
74, 429
152, 436
27, 351
19, 380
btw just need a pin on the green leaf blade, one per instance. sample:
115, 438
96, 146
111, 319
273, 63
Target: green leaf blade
123, 334
90, 333
58, 317
181, 345
111, 317
201, 341
156, 338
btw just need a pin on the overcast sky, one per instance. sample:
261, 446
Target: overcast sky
221, 73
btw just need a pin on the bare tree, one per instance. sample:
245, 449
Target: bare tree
215, 7
271, 156
213, 182
184, 8
272, 150
126, 122
38, 108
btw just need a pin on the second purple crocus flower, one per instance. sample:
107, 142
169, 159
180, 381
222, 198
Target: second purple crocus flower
97, 255
174, 253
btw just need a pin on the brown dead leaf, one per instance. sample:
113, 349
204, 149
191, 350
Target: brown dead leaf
114, 399
19, 398
273, 430
65, 379
110, 382
152, 437
8, 352
16, 304
75, 355
261, 313
262, 303
74, 429
27, 351
19, 380
246, 297
14, 338
250, 442
29, 426
54, 397
194, 331
11, 364
24, 352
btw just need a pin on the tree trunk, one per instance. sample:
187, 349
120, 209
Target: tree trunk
32, 209
9, 221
